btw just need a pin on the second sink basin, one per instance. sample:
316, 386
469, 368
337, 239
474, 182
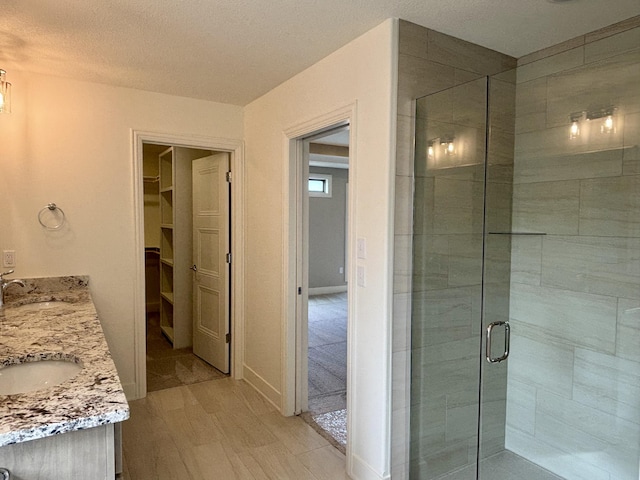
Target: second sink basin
32, 376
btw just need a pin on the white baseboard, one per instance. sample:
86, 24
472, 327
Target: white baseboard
361, 470
263, 387
327, 290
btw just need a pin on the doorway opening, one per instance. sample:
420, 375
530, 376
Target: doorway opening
186, 217
324, 277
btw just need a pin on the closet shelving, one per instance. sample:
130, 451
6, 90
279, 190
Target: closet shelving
167, 222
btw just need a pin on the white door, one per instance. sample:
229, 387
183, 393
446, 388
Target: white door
211, 270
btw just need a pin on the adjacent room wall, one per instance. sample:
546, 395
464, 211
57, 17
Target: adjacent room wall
70, 143
327, 216
362, 73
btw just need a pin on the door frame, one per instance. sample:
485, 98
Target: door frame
236, 151
295, 264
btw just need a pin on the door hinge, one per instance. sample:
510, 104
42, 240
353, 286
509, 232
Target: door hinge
228, 258
227, 338
229, 177
299, 290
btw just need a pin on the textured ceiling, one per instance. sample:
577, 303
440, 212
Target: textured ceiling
233, 51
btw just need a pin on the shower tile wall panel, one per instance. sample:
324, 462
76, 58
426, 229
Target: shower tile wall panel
574, 371
446, 271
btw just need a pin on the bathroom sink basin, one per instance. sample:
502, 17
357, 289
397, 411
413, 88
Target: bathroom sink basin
30, 307
32, 376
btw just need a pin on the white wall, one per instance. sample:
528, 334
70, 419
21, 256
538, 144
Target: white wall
69, 142
362, 72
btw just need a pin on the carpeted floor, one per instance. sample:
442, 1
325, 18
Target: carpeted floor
328, 365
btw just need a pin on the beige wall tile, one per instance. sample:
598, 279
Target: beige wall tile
613, 29
547, 207
457, 206
402, 254
569, 318
441, 317
595, 437
612, 81
418, 77
423, 206
610, 206
549, 65
526, 259
585, 156
567, 167
553, 50
430, 262
401, 322
552, 458
600, 265
628, 329
539, 364
521, 406
531, 122
631, 155
612, 45
465, 260
412, 39
502, 98
461, 54
404, 206
404, 146
608, 384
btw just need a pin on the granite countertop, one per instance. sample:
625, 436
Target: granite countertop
68, 329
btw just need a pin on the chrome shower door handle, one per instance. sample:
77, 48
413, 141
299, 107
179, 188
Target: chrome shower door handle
507, 338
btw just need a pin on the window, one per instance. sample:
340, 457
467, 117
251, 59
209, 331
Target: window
319, 185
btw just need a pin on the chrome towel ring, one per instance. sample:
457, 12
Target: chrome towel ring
51, 217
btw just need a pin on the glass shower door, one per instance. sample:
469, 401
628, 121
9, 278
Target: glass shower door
449, 204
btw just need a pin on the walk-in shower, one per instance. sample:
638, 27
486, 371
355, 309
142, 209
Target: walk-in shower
526, 237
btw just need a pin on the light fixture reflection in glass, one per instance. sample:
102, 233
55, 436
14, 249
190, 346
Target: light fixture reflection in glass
449, 147
607, 124
430, 151
5, 93
574, 129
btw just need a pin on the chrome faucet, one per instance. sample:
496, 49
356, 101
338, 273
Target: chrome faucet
4, 284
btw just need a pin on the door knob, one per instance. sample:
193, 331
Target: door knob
194, 268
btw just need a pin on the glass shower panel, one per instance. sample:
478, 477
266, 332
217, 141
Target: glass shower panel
573, 380
447, 280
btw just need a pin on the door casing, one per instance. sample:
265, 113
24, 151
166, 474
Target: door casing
236, 150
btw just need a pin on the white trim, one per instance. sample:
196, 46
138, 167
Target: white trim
236, 149
327, 290
363, 471
264, 388
292, 177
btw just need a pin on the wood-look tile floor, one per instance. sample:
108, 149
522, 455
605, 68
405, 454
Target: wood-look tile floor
223, 430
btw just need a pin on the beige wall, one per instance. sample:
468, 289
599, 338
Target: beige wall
360, 73
70, 143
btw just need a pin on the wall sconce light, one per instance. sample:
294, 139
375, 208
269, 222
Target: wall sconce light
447, 143
5, 93
606, 114
574, 129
